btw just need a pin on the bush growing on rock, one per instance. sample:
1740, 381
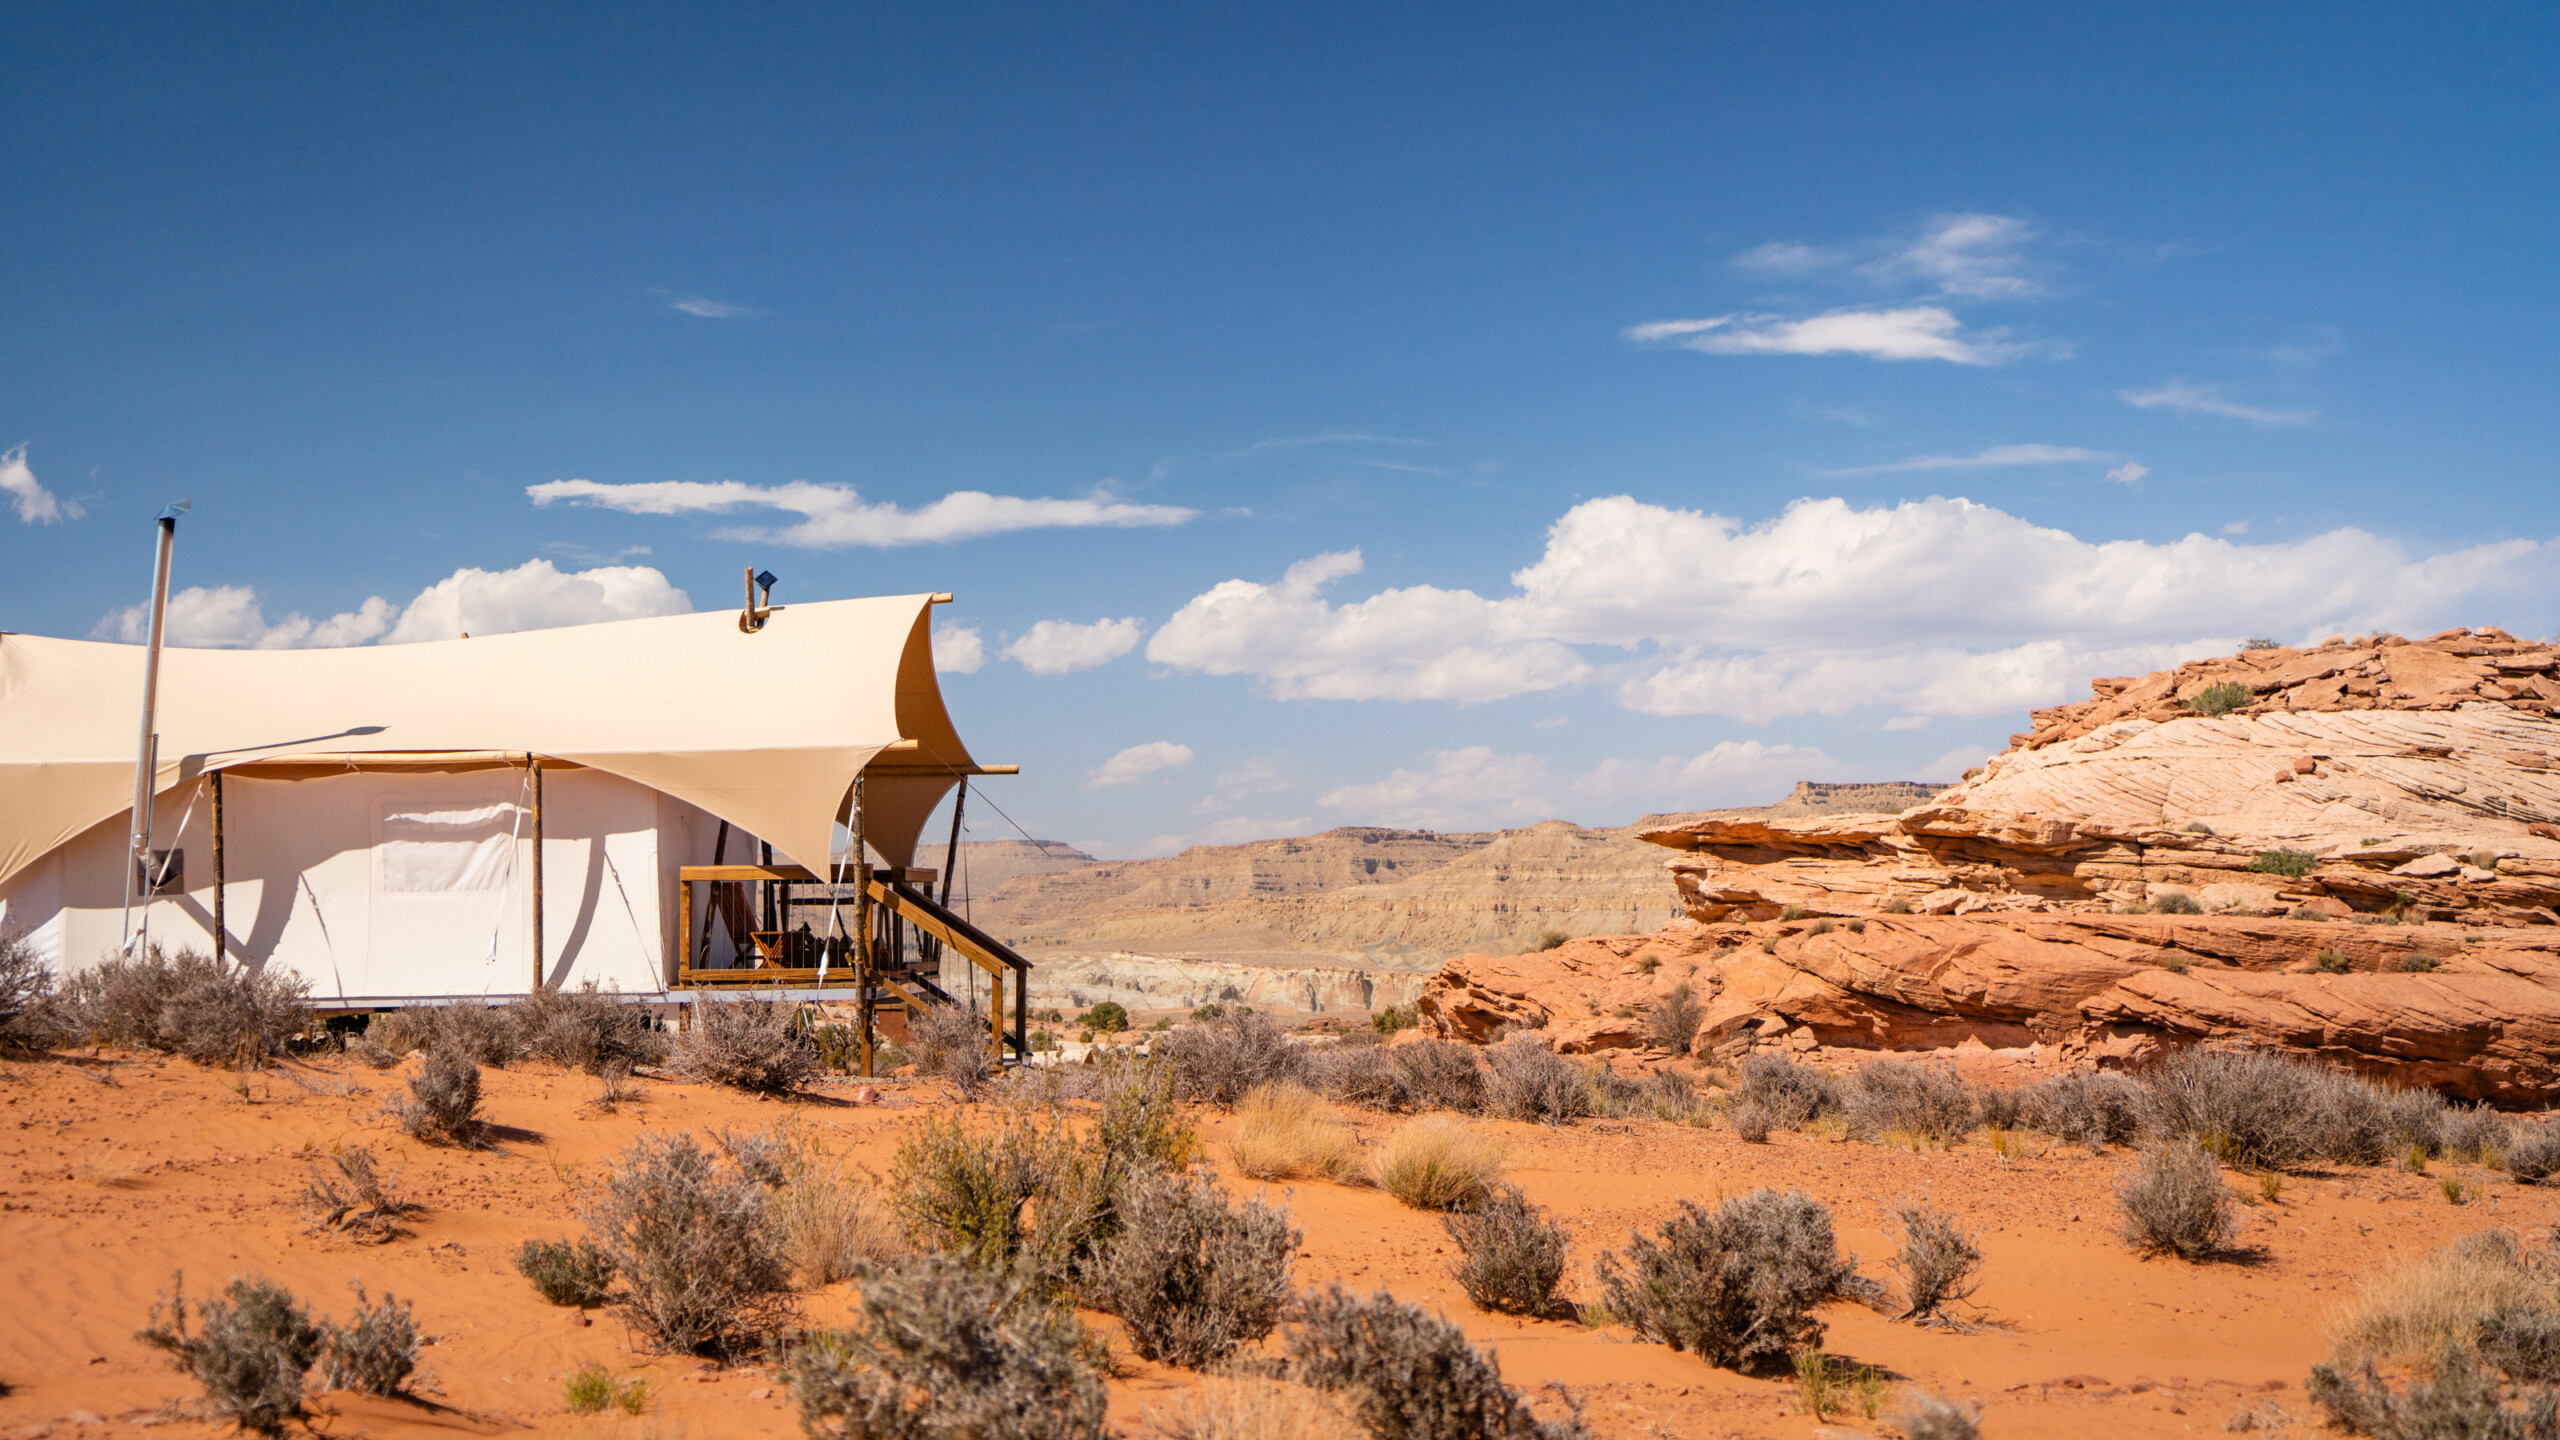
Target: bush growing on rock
2290, 863
943, 1348
1409, 1374
1189, 1275
2175, 902
1512, 1255
2221, 698
2175, 1203
1736, 1285
1672, 1021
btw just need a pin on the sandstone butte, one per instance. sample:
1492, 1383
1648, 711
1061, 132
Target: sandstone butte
2366, 840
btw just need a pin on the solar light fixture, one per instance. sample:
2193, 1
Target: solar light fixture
751, 619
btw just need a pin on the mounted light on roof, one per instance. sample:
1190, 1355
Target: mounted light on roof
751, 619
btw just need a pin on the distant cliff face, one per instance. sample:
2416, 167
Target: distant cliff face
1358, 896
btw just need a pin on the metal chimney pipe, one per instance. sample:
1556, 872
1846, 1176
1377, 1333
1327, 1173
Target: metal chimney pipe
146, 756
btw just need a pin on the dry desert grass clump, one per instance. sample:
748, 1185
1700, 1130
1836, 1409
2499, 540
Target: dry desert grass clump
828, 1220
1437, 1162
2410, 1314
1284, 1132
2175, 1203
2474, 1328
1251, 1408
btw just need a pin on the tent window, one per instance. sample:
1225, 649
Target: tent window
427, 850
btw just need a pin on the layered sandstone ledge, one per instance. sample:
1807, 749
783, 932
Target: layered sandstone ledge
2371, 841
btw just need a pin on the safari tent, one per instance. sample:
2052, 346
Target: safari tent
652, 805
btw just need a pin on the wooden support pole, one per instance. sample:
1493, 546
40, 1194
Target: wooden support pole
221, 936
677, 964
533, 764
1021, 1012
866, 977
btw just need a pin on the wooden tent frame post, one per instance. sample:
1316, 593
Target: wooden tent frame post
221, 936
533, 767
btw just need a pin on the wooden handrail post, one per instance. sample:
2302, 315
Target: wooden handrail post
533, 765
221, 937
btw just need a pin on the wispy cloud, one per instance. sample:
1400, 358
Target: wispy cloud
1963, 256
2129, 473
2188, 399
836, 516
35, 504
710, 309
1992, 459
1915, 332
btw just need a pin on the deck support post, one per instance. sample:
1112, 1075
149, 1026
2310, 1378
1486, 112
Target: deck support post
221, 936
533, 778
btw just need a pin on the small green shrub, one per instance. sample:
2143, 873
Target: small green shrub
1394, 1018
567, 1272
2332, 962
2221, 698
2175, 902
1108, 1018
2292, 864
2416, 964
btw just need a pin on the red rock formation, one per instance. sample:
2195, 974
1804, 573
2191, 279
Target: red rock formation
2371, 839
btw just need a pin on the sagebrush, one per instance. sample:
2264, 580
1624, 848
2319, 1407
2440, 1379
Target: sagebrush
1736, 1285
210, 1011
2175, 1203
249, 1351
693, 1246
588, 1029
567, 1272
749, 1043
1410, 1375
944, 1348
1511, 1253
1220, 1061
1190, 1275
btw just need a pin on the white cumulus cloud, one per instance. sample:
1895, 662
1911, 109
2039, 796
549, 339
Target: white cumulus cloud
1137, 763
2188, 399
834, 516
533, 596
1911, 332
1062, 647
1417, 643
1932, 607
959, 651
35, 504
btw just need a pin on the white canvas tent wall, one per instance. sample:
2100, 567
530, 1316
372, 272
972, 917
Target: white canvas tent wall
374, 835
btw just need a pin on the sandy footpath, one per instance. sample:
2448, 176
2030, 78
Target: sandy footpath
116, 1172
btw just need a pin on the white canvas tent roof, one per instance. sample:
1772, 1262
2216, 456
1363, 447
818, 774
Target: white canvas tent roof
765, 730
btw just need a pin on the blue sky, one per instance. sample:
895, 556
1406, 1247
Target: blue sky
1712, 398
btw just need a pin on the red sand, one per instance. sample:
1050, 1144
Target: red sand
107, 1188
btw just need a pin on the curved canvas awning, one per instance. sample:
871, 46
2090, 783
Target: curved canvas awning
766, 731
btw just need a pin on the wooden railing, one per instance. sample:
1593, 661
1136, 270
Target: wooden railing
850, 961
